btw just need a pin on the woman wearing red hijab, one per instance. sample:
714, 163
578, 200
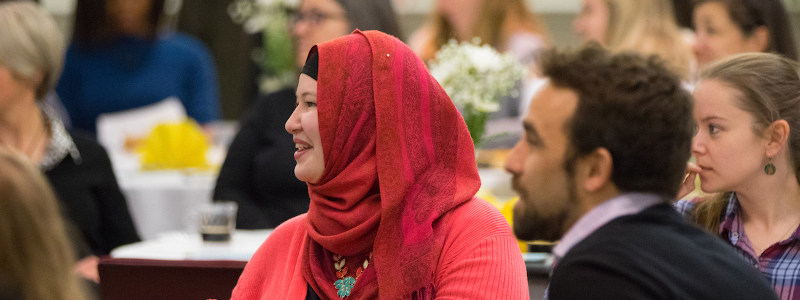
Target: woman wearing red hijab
391, 174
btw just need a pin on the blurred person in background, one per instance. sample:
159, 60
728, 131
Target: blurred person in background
120, 59
31, 56
506, 25
36, 261
258, 172
747, 150
644, 26
725, 27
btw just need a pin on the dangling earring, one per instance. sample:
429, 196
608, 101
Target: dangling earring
769, 168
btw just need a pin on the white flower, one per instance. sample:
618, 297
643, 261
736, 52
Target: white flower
476, 77
483, 58
256, 23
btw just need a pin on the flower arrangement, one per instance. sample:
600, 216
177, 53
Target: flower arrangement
271, 19
476, 78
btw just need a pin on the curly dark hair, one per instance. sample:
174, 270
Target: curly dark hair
634, 107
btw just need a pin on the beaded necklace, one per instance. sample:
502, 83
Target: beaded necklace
345, 284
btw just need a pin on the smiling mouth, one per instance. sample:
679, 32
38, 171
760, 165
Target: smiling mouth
301, 149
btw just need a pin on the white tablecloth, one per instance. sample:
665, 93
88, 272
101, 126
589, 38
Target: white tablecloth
180, 245
161, 201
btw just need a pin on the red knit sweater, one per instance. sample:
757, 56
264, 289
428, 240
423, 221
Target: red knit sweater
480, 259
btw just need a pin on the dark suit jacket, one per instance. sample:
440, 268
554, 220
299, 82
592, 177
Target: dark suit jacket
655, 254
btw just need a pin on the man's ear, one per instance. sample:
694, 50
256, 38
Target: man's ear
597, 168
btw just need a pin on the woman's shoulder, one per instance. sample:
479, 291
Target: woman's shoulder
276, 264
473, 221
287, 235
91, 153
686, 206
184, 45
289, 231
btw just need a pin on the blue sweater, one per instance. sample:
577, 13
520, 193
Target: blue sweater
132, 72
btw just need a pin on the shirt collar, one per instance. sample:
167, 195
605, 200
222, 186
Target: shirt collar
621, 205
731, 225
731, 214
60, 144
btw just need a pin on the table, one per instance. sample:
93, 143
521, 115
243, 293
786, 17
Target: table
161, 201
182, 245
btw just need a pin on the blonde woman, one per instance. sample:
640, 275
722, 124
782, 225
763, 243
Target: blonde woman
507, 26
747, 149
644, 26
35, 255
31, 56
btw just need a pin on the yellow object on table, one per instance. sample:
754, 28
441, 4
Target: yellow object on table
175, 146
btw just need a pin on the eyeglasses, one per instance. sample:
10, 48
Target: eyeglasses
313, 17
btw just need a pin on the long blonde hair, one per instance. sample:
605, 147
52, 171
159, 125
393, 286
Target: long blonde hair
36, 259
647, 26
498, 20
768, 86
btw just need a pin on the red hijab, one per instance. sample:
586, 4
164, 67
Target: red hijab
397, 157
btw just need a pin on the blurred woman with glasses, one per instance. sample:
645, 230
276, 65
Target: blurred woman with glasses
258, 173
725, 27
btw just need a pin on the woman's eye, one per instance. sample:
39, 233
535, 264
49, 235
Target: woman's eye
311, 104
713, 129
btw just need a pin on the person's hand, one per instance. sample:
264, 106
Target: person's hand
87, 268
687, 186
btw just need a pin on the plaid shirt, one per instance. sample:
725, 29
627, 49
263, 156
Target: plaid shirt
780, 262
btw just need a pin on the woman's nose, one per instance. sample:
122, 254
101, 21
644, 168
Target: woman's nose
300, 28
697, 145
293, 123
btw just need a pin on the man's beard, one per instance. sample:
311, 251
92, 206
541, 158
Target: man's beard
529, 225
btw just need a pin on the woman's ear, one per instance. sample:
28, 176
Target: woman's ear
759, 40
777, 134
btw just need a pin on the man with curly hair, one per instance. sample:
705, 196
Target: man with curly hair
605, 148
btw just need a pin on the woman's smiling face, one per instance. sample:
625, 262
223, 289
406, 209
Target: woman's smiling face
304, 127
